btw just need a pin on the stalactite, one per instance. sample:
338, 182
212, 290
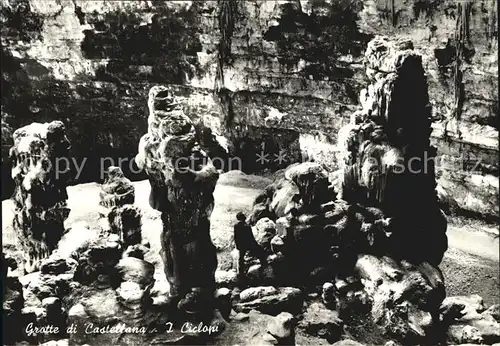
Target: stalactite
492, 33
227, 18
462, 41
393, 14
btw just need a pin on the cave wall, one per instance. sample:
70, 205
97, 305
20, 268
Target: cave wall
247, 67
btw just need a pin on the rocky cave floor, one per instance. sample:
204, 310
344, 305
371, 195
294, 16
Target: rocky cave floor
470, 266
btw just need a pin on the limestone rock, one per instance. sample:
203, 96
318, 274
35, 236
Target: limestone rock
264, 231
287, 299
277, 244
225, 278
134, 298
136, 270
282, 328
57, 265
35, 158
116, 191
137, 251
468, 320
12, 305
126, 221
96, 266
320, 321
312, 182
464, 335
40, 286
161, 287
251, 330
101, 304
182, 179
223, 301
257, 292
257, 274
375, 149
404, 298
78, 317
458, 306
328, 295
239, 316
494, 311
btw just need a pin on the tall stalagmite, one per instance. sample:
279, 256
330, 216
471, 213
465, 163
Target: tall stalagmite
182, 181
38, 158
386, 152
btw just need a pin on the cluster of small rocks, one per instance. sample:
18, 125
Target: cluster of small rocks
92, 278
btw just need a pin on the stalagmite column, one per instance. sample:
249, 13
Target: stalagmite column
40, 170
182, 181
386, 152
119, 214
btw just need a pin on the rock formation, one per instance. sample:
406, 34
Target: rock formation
386, 154
375, 241
40, 169
466, 320
119, 214
182, 179
12, 302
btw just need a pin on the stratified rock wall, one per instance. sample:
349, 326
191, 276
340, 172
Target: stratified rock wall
293, 67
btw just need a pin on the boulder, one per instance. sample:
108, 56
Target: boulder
277, 244
257, 274
328, 295
101, 305
137, 251
251, 329
134, 298
287, 299
78, 318
461, 334
457, 306
238, 316
13, 302
39, 286
494, 311
223, 301
96, 266
256, 293
320, 321
226, 278
264, 231
136, 270
57, 265
403, 299
282, 329
469, 321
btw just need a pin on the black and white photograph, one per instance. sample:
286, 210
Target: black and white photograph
250, 172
